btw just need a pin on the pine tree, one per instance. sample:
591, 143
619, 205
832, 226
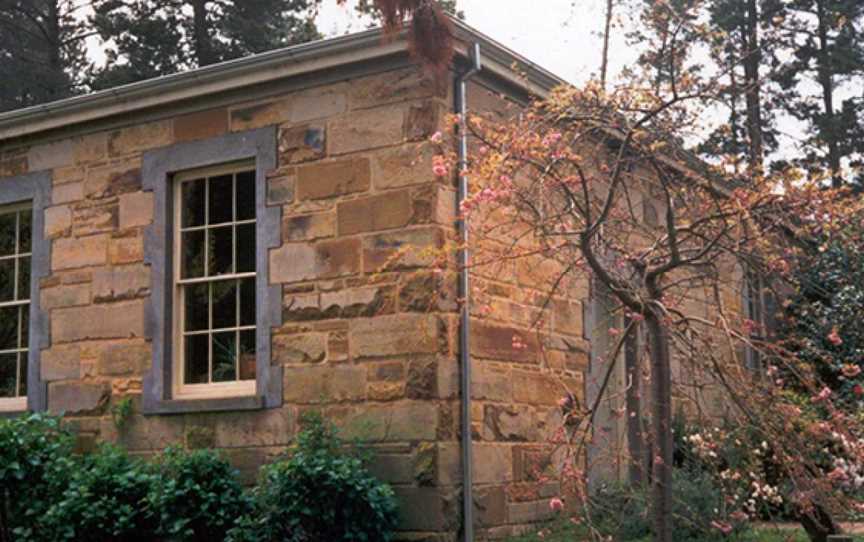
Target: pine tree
149, 38
827, 37
42, 52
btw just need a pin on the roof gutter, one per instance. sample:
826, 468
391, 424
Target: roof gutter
461, 108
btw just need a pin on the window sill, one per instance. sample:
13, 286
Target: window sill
255, 402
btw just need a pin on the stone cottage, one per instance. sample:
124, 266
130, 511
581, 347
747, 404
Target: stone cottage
233, 245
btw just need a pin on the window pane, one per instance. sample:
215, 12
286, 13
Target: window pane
193, 254
197, 367
22, 377
246, 248
8, 328
196, 306
224, 357
221, 199
8, 378
221, 250
246, 195
25, 325
24, 231
247, 355
7, 280
7, 234
247, 302
23, 278
224, 304
193, 203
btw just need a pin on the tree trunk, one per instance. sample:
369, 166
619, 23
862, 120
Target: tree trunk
55, 61
661, 391
635, 431
604, 63
819, 524
826, 81
752, 60
203, 47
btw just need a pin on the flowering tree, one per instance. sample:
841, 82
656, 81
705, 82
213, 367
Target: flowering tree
597, 183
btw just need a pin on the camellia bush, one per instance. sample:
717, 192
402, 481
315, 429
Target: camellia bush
320, 490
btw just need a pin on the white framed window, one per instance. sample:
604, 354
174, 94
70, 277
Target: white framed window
215, 282
15, 259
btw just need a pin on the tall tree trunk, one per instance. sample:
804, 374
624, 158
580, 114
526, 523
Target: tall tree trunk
752, 60
635, 430
826, 81
661, 391
604, 63
203, 48
55, 61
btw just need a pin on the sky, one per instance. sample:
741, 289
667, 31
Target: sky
562, 36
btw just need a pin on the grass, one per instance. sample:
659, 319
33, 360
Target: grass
567, 532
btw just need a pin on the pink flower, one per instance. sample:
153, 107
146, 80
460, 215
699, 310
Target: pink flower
837, 475
556, 505
858, 390
722, 526
834, 338
437, 137
440, 170
850, 370
614, 331
822, 395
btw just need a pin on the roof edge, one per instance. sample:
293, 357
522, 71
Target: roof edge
262, 68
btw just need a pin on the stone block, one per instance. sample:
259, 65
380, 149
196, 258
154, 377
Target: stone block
147, 433
135, 209
323, 260
68, 193
280, 190
402, 166
90, 148
317, 104
302, 143
422, 121
126, 249
392, 422
422, 381
510, 423
503, 343
301, 348
537, 388
201, 125
270, 427
529, 512
61, 362
491, 384
393, 335
385, 391
51, 155
397, 85
354, 302
567, 317
247, 117
308, 227
366, 130
85, 251
113, 179
428, 292
127, 358
114, 321
12, 166
375, 213
389, 371
490, 506
324, 384
139, 137
95, 217
65, 295
331, 179
427, 509
67, 175
392, 468
72, 397
449, 464
120, 282
58, 221
406, 249
493, 463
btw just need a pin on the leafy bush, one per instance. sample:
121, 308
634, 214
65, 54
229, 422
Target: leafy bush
198, 496
106, 500
35, 462
319, 492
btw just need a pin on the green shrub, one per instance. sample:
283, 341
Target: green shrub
319, 492
106, 500
35, 462
197, 494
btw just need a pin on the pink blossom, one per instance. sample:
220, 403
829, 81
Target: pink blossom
822, 395
850, 370
440, 170
722, 526
556, 505
837, 475
437, 137
834, 338
858, 390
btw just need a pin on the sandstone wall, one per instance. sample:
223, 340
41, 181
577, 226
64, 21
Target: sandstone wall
369, 325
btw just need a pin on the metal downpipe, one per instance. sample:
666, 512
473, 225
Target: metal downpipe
461, 107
